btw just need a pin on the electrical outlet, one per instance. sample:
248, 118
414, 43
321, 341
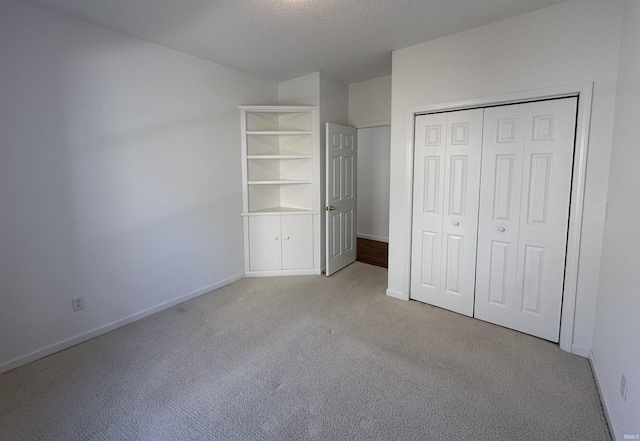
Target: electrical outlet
78, 303
623, 387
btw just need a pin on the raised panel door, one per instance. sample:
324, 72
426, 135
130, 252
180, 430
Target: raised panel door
446, 182
265, 250
499, 213
544, 216
524, 212
297, 242
341, 178
460, 209
428, 206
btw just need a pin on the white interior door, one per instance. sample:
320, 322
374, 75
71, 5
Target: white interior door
524, 212
445, 208
341, 179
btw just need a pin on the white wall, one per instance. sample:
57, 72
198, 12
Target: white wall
373, 182
616, 341
370, 102
119, 178
334, 101
570, 43
301, 91
332, 98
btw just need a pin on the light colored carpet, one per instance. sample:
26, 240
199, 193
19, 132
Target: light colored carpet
300, 358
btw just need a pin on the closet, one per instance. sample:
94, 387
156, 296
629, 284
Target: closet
490, 212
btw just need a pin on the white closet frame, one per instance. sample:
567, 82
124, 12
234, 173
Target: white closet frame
584, 92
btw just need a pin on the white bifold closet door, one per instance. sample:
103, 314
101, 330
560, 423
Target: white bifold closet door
445, 201
527, 158
491, 211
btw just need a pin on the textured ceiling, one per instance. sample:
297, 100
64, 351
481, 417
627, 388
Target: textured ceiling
349, 40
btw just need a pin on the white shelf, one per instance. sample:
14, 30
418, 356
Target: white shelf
280, 210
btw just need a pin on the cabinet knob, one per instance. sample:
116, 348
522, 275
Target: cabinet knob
456, 223
275, 237
286, 238
501, 229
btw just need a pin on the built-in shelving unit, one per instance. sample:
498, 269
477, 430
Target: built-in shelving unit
281, 178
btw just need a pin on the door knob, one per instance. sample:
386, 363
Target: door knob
501, 229
329, 207
456, 223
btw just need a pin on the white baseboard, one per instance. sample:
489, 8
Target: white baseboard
311, 272
603, 399
396, 294
370, 237
65, 344
579, 350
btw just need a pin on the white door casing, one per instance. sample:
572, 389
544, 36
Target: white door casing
340, 206
445, 199
524, 215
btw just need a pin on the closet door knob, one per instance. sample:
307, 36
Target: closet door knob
501, 229
456, 223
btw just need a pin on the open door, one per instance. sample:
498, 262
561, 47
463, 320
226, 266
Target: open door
340, 199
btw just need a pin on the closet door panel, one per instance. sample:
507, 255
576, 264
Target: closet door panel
544, 216
428, 195
524, 213
499, 214
446, 185
460, 217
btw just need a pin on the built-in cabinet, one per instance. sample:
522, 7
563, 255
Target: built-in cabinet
281, 190
490, 212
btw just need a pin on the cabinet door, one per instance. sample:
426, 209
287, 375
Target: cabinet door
297, 242
265, 251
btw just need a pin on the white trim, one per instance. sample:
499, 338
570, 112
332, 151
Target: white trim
365, 125
279, 213
73, 341
579, 350
300, 272
371, 237
603, 398
395, 294
575, 217
584, 92
276, 108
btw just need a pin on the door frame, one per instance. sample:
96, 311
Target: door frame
584, 92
